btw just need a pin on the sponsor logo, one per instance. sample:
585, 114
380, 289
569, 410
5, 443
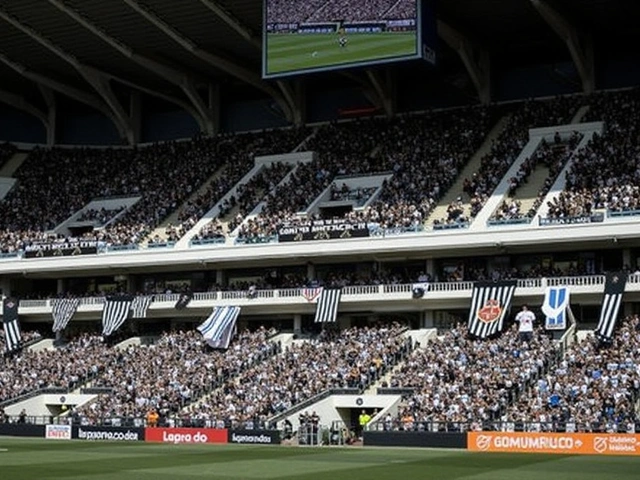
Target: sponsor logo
197, 437
490, 312
483, 442
243, 438
58, 432
567, 443
600, 444
112, 435
186, 435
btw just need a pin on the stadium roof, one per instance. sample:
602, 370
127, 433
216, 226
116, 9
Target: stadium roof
185, 52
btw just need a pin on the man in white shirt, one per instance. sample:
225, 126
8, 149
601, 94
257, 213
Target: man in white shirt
525, 319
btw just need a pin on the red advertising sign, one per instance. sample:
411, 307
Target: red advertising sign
186, 435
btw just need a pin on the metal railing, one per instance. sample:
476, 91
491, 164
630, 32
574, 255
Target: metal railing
354, 290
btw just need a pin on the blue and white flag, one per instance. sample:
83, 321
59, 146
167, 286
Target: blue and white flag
556, 301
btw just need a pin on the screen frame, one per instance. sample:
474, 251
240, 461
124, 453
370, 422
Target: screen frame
419, 51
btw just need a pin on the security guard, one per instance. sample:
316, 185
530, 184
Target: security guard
363, 419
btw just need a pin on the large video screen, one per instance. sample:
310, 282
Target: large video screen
303, 36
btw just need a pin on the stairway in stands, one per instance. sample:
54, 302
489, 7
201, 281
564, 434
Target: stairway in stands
8, 169
527, 193
11, 165
472, 166
160, 230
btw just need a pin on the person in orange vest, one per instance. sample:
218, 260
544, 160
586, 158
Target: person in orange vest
152, 418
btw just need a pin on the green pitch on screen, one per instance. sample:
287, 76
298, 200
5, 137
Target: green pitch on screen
292, 52
22, 459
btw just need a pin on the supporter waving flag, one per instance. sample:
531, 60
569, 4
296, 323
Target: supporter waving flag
490, 302
116, 311
12, 335
613, 291
62, 311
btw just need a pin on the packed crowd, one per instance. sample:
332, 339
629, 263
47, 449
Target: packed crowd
511, 141
594, 388
27, 337
55, 183
248, 196
605, 174
84, 357
359, 195
473, 272
320, 11
288, 11
351, 358
552, 156
99, 216
424, 152
170, 373
401, 10
354, 11
457, 379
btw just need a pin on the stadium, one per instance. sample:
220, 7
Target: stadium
419, 262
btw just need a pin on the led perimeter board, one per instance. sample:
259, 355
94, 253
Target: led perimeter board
303, 36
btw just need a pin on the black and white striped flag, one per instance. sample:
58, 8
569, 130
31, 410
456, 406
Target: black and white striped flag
490, 302
328, 303
613, 292
115, 312
12, 335
219, 327
140, 305
62, 311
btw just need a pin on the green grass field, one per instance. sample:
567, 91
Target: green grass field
290, 52
22, 459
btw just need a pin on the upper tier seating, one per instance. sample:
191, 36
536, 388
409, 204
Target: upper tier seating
606, 174
55, 183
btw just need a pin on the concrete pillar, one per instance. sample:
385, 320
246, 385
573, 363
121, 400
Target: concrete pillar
5, 286
428, 319
221, 278
61, 286
135, 114
430, 268
311, 271
297, 323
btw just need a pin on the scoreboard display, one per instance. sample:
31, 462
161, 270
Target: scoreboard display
302, 36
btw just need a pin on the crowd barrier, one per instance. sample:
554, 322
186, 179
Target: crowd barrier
484, 441
21, 430
512, 442
186, 435
561, 443
414, 439
141, 434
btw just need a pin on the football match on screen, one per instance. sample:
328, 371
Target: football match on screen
307, 35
